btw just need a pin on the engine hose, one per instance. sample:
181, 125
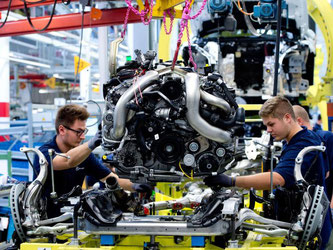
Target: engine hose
220, 123
212, 221
139, 135
218, 79
212, 208
125, 171
238, 116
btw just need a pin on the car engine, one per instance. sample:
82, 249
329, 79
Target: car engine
161, 123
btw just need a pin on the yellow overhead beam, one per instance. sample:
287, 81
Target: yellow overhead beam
162, 5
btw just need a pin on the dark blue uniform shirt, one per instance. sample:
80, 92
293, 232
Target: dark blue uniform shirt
286, 165
327, 138
313, 168
316, 127
65, 180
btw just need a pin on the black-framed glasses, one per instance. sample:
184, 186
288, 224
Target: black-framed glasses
78, 132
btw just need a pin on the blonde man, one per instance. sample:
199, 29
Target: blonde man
279, 118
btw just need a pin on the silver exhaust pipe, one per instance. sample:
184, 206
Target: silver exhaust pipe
120, 112
193, 116
215, 101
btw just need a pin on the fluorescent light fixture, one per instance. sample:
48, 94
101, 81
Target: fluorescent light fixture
48, 91
123, 47
14, 16
56, 75
43, 65
58, 34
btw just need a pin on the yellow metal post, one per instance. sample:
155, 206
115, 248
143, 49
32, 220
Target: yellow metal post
322, 13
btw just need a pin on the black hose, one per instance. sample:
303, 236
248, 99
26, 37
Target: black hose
29, 18
277, 48
33, 167
9, 6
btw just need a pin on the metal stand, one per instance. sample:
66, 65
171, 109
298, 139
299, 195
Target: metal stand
152, 245
51, 151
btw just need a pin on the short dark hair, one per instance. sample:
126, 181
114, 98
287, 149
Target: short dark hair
277, 107
68, 114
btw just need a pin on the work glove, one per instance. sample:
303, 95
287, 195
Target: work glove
96, 140
142, 188
222, 180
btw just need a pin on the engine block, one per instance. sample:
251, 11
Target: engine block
161, 123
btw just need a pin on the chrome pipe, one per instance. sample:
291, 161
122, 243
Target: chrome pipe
120, 112
193, 116
215, 101
64, 217
248, 214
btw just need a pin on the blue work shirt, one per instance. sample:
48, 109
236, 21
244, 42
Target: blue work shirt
327, 138
286, 165
313, 173
66, 180
317, 127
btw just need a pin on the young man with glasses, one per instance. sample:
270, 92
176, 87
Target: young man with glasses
69, 172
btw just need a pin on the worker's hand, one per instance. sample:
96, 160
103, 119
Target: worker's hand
220, 180
142, 188
96, 140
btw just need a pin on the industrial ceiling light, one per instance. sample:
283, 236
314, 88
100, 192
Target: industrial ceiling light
58, 34
43, 65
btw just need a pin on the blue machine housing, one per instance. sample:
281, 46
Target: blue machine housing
267, 9
222, 6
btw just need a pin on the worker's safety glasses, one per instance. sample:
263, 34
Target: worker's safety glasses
78, 132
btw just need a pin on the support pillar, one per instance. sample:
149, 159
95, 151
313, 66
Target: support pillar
85, 77
103, 63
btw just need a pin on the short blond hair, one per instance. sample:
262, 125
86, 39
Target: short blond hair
277, 107
301, 112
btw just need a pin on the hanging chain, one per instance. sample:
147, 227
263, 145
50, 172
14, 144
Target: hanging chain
125, 23
184, 25
142, 14
172, 17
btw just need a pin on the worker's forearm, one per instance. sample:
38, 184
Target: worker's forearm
260, 181
77, 155
126, 184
